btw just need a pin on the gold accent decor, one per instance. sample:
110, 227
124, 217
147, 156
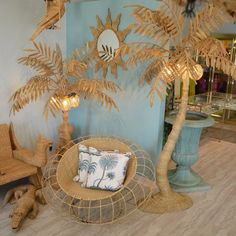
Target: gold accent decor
107, 39
52, 77
55, 10
189, 37
52, 73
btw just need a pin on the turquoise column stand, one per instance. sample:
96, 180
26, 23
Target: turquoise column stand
184, 179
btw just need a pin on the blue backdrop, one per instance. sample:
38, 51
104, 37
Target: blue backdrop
135, 121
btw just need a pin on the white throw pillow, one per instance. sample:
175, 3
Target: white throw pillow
83, 166
107, 170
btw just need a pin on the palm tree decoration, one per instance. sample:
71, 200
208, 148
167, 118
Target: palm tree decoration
189, 37
64, 81
107, 162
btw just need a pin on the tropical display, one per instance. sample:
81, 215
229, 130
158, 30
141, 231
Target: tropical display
167, 26
61, 80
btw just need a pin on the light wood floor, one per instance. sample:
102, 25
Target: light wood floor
213, 213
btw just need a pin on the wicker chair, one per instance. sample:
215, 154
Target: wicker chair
92, 206
17, 162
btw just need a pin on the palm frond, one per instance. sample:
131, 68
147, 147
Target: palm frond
30, 92
92, 85
96, 90
184, 66
216, 55
152, 71
43, 59
208, 20
161, 25
210, 47
180, 66
36, 64
53, 105
141, 52
158, 87
80, 61
145, 54
100, 97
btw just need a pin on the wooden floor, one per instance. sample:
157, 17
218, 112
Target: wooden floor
213, 213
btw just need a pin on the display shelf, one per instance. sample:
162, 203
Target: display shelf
221, 106
214, 80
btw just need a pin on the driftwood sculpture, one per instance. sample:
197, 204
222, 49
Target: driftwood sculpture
55, 11
26, 204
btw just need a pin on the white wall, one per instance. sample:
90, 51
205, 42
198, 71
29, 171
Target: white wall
18, 19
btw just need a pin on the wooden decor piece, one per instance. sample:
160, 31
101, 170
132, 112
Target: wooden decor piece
65, 131
107, 39
93, 206
36, 158
17, 162
54, 12
52, 74
165, 25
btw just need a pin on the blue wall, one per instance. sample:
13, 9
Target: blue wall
136, 120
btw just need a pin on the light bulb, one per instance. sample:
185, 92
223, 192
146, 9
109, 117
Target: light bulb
65, 104
199, 70
74, 101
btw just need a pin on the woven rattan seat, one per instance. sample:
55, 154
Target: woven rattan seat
97, 206
68, 167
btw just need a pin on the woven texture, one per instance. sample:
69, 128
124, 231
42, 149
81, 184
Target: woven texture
10, 168
98, 206
5, 142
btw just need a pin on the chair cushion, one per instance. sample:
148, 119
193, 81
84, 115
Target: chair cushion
5, 142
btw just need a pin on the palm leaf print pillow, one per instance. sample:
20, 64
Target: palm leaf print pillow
107, 170
83, 165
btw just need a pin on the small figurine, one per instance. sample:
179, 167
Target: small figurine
26, 205
55, 11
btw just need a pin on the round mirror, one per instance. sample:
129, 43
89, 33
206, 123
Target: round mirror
107, 44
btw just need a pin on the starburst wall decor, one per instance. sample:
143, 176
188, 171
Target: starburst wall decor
107, 39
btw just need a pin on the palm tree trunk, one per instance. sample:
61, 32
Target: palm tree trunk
167, 200
165, 157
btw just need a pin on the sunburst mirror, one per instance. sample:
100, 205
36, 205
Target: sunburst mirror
107, 39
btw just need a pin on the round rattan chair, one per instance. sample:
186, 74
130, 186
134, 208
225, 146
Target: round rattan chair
97, 206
